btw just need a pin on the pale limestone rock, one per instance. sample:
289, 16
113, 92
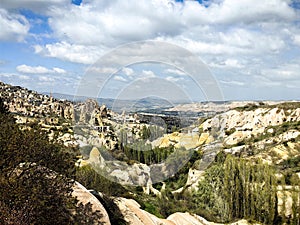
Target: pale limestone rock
194, 176
247, 123
178, 140
136, 216
271, 130
103, 111
281, 152
236, 137
235, 150
188, 141
96, 159
203, 138
133, 214
122, 176
84, 197
288, 135
285, 197
240, 222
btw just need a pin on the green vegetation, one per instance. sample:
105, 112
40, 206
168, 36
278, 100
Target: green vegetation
289, 167
250, 107
229, 132
36, 178
144, 153
279, 129
37, 175
89, 178
239, 189
231, 189
180, 178
285, 106
166, 204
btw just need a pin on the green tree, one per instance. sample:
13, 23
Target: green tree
295, 181
238, 189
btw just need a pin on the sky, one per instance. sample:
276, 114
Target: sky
251, 48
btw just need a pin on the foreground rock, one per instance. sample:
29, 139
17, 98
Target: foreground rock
136, 216
85, 197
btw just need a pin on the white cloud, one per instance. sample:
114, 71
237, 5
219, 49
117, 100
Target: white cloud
296, 39
175, 71
85, 32
23, 77
46, 79
114, 23
128, 71
233, 83
35, 70
14, 27
286, 72
38, 69
253, 41
100, 70
70, 52
264, 82
148, 74
173, 79
236, 41
227, 64
119, 78
237, 11
7, 75
39, 6
58, 70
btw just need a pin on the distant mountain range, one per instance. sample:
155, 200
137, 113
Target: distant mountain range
119, 105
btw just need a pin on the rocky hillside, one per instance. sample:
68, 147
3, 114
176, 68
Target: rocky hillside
262, 128
132, 152
30, 107
29, 103
270, 132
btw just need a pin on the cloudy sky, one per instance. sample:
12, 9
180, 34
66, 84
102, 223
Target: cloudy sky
252, 48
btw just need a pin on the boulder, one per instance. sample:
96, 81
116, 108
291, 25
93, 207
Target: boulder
84, 197
134, 215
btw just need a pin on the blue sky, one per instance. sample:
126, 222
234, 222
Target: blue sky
252, 48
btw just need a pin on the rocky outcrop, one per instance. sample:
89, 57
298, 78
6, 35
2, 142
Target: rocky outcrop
136, 174
185, 140
29, 103
85, 197
134, 215
240, 131
236, 125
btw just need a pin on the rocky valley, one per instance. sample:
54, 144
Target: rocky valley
235, 162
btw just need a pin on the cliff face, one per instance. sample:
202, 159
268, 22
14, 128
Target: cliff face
236, 125
268, 132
